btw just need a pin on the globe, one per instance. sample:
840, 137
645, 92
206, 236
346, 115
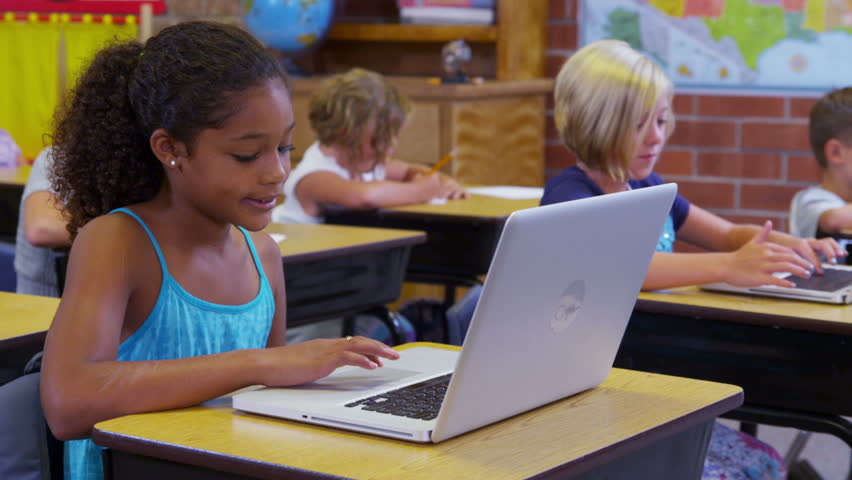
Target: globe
292, 26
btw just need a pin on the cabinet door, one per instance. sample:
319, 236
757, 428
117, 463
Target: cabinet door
500, 141
421, 140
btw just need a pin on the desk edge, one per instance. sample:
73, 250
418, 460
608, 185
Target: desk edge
742, 316
408, 241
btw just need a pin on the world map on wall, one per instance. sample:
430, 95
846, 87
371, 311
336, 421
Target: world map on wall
733, 44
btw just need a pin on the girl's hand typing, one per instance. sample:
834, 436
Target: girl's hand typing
755, 262
810, 248
315, 359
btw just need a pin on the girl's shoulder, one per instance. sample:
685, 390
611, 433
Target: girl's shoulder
265, 245
116, 229
570, 184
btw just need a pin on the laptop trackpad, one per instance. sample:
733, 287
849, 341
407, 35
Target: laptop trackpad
353, 379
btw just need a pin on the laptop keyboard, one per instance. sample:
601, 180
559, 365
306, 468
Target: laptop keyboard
832, 279
420, 400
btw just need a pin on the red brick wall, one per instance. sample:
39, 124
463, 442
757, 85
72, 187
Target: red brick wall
740, 157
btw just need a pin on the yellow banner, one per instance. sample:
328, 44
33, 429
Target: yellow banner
35, 74
28, 86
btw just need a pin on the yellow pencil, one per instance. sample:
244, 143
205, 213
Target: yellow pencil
441, 162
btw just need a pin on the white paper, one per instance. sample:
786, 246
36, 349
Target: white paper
278, 237
437, 201
509, 191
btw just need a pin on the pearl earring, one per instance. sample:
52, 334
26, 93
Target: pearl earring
172, 163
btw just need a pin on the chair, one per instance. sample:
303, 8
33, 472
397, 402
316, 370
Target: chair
60, 260
8, 277
28, 450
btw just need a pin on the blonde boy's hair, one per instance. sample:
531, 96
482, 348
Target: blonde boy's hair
349, 104
604, 93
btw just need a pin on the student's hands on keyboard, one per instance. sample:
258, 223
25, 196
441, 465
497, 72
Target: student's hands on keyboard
315, 359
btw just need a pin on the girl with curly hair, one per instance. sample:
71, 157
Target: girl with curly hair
169, 159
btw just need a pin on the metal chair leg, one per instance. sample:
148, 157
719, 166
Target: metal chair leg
797, 446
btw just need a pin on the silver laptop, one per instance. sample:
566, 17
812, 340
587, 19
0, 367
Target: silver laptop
833, 286
555, 304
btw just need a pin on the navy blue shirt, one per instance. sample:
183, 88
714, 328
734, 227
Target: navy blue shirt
573, 184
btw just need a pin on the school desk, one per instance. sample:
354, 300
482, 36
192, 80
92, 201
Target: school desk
333, 270
792, 358
12, 181
634, 422
24, 320
463, 235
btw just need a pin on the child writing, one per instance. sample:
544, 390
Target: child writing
613, 110
357, 117
169, 159
825, 209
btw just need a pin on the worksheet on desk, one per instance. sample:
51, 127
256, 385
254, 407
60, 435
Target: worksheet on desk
512, 192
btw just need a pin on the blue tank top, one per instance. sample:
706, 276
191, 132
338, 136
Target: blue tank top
181, 325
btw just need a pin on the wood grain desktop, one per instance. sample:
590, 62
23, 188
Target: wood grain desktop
630, 412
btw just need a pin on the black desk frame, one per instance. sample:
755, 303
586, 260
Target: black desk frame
791, 378
457, 252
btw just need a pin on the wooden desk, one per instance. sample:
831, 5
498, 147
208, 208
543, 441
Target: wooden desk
334, 270
792, 358
12, 181
24, 320
463, 235
634, 422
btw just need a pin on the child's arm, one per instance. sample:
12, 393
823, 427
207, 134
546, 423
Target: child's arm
400, 171
326, 188
44, 225
741, 260
712, 232
836, 219
82, 383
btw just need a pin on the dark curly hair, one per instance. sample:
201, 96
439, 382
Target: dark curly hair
182, 80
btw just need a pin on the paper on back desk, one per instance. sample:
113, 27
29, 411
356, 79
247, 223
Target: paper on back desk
509, 191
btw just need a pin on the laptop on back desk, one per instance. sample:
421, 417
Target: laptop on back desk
833, 286
554, 307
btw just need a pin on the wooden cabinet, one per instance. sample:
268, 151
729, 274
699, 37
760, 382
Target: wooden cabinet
512, 49
496, 128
